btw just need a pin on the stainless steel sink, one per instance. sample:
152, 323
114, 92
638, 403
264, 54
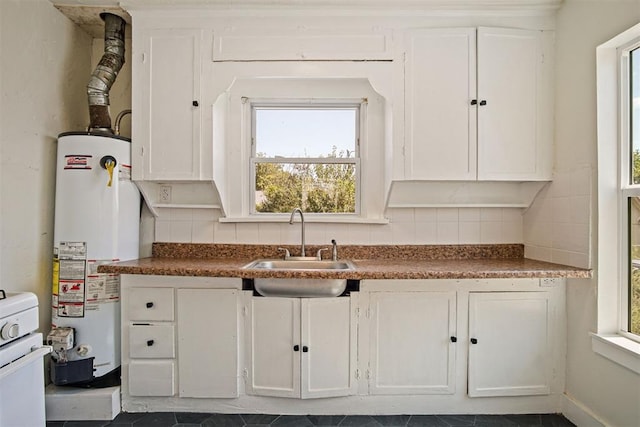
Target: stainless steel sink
299, 287
306, 264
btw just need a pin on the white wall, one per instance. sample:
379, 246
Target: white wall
45, 60
606, 391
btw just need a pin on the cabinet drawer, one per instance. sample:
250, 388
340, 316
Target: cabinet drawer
151, 304
152, 378
151, 341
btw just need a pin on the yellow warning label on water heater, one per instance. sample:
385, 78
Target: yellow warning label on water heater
56, 276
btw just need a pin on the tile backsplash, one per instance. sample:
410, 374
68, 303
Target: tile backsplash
406, 226
558, 224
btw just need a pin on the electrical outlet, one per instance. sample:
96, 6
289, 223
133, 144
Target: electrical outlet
165, 194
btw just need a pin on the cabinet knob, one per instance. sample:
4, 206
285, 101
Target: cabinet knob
195, 103
454, 339
305, 349
474, 341
296, 347
474, 101
483, 102
149, 304
149, 343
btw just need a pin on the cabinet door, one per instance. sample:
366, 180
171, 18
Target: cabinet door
509, 350
207, 342
273, 358
166, 134
440, 123
412, 350
509, 81
328, 347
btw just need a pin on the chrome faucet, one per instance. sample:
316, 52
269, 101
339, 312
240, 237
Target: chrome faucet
302, 226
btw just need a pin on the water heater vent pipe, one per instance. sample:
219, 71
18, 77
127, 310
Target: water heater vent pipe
105, 73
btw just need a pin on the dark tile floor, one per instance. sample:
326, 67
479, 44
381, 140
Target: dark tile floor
181, 419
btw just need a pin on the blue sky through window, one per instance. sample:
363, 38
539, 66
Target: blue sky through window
305, 132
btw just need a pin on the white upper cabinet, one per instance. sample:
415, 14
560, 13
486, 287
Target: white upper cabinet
475, 105
167, 102
440, 80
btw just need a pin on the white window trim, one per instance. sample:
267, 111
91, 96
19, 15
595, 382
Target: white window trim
360, 105
236, 83
609, 341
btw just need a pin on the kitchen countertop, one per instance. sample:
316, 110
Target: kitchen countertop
371, 262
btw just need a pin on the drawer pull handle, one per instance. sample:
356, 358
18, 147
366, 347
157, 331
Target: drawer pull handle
305, 349
454, 339
149, 304
150, 343
296, 347
474, 341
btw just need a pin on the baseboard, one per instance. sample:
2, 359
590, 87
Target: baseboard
579, 414
76, 404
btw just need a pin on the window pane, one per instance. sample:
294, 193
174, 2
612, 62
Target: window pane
635, 115
634, 267
313, 187
305, 132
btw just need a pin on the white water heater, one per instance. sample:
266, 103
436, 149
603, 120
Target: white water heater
97, 216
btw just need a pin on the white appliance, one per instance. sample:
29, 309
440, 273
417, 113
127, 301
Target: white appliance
97, 217
21, 362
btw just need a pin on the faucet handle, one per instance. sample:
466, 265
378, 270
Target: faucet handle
334, 250
319, 254
286, 252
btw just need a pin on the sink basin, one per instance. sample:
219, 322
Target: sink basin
299, 287
288, 264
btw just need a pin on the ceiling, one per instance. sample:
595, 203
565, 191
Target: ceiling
88, 17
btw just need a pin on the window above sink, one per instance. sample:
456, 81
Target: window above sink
325, 120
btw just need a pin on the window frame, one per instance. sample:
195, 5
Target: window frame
626, 189
359, 105
610, 340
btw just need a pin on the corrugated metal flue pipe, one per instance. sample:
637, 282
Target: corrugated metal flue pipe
106, 72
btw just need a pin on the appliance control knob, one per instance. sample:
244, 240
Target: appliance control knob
10, 330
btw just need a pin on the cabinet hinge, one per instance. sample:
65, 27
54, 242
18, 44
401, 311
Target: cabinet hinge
368, 374
245, 311
245, 373
142, 151
367, 313
143, 57
357, 374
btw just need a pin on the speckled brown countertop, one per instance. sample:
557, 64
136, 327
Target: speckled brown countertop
371, 262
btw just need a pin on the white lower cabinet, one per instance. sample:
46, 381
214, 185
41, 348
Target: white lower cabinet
152, 378
178, 340
207, 342
413, 342
202, 344
509, 343
301, 347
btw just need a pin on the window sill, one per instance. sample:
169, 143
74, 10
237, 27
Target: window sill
308, 218
619, 349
